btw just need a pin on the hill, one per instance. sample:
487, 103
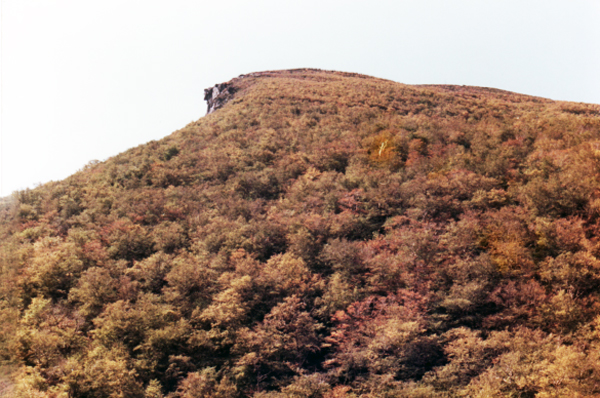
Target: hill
317, 234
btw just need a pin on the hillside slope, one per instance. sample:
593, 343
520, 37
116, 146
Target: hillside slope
317, 234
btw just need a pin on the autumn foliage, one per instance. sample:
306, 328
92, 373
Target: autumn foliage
323, 234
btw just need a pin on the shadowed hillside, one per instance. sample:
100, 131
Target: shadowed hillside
317, 234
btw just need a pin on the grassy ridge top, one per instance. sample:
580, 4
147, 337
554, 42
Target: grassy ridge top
322, 234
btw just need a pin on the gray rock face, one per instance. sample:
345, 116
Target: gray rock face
218, 96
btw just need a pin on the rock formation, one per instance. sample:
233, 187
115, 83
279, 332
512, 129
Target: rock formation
218, 96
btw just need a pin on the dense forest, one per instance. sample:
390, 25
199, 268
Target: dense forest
322, 234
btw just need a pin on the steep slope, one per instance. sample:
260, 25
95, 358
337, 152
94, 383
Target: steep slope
317, 234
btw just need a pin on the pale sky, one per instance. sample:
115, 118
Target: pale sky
85, 80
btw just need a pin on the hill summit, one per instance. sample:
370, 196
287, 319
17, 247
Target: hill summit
317, 234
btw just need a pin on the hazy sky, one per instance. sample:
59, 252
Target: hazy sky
85, 79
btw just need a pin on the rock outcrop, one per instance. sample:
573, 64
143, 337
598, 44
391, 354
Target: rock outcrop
218, 96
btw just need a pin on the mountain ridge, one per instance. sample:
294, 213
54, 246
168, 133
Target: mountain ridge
321, 234
302, 71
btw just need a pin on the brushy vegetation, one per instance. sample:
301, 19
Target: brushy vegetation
322, 235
